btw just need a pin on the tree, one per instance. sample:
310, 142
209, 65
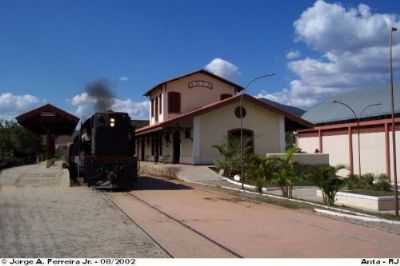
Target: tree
286, 174
326, 178
260, 170
17, 145
230, 161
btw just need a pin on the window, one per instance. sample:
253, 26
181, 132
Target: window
152, 107
156, 105
174, 102
160, 103
248, 139
156, 109
225, 96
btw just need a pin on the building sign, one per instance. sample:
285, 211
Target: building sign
47, 114
200, 83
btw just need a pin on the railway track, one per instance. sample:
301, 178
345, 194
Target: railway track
141, 227
185, 225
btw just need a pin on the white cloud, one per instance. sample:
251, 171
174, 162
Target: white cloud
332, 27
12, 105
353, 44
293, 55
84, 106
136, 110
123, 78
223, 68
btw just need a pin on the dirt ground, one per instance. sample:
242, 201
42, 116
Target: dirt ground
40, 216
193, 221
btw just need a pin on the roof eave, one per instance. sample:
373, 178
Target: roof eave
215, 105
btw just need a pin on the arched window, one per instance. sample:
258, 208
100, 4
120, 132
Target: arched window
248, 139
174, 102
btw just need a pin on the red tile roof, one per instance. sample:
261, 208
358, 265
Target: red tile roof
48, 117
218, 104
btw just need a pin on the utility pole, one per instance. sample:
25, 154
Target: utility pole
357, 117
241, 122
396, 192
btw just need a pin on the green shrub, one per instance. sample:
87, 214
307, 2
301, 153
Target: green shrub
260, 184
326, 178
276, 171
285, 172
368, 182
382, 183
231, 160
259, 171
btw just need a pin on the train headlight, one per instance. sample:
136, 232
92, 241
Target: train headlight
112, 122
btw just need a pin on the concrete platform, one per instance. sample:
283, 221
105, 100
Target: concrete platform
42, 216
188, 173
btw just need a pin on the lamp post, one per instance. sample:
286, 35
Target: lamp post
396, 193
357, 117
241, 122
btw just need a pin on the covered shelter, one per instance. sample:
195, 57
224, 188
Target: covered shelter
359, 140
49, 121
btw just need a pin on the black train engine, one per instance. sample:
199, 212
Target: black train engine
103, 151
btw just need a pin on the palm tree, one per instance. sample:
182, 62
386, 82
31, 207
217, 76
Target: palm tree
326, 178
286, 174
230, 158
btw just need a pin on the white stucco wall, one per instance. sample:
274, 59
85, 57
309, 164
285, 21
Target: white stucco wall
397, 153
373, 158
191, 98
308, 144
373, 154
338, 149
212, 128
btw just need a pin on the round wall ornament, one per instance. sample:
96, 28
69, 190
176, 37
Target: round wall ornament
240, 112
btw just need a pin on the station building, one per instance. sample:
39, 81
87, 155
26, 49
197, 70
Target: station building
191, 113
336, 131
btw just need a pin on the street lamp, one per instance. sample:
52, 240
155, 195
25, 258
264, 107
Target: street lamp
396, 193
241, 121
357, 117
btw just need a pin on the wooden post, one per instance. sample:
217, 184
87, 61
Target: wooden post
50, 146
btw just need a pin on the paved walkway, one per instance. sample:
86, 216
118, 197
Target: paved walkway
41, 216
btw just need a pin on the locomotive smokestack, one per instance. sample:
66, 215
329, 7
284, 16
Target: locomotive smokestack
101, 92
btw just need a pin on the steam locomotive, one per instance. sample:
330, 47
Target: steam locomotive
102, 151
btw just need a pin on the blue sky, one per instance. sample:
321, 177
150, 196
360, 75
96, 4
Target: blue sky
50, 49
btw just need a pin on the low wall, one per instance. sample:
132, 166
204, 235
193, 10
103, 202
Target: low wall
364, 202
306, 158
158, 169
